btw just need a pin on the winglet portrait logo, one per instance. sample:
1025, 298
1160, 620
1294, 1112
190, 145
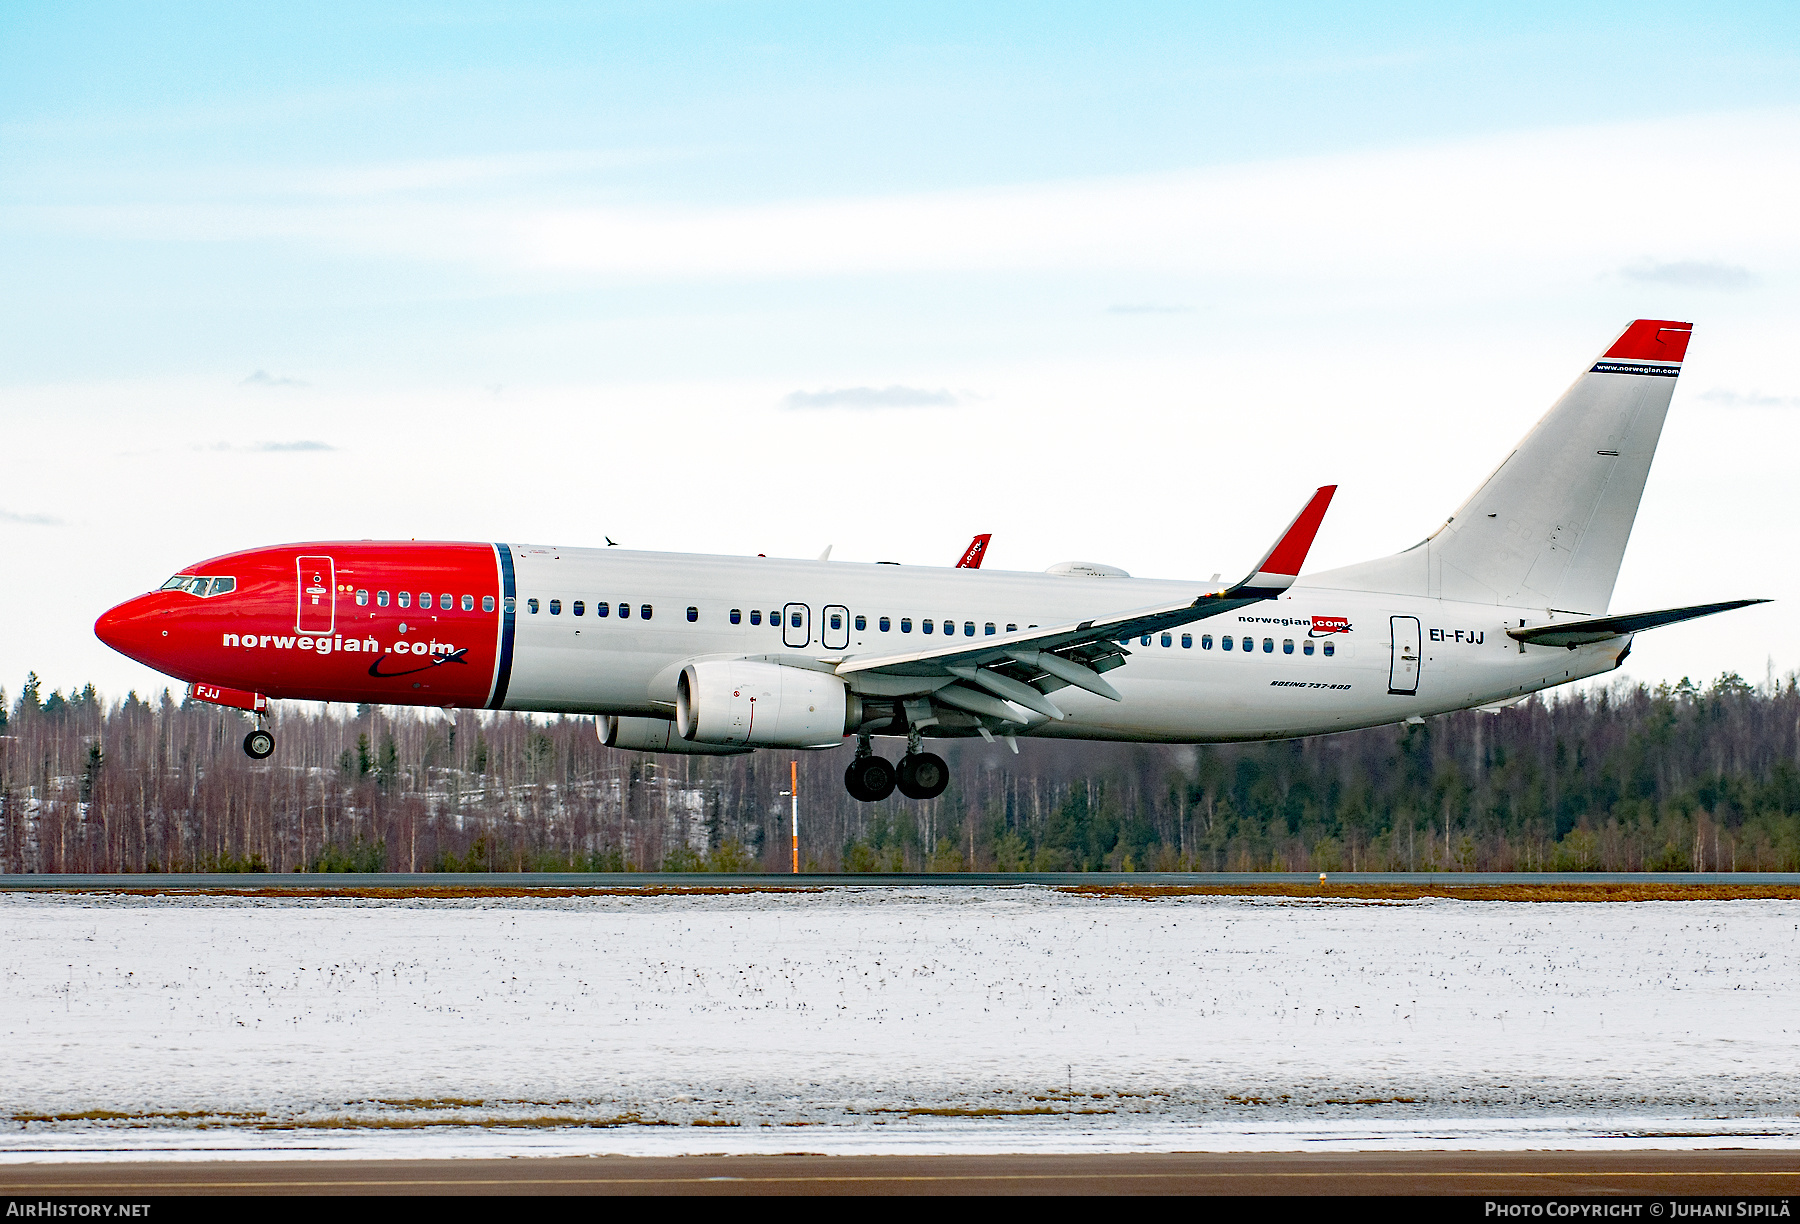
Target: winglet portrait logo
1325, 626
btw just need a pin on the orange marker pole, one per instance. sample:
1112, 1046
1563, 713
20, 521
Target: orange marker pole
794, 790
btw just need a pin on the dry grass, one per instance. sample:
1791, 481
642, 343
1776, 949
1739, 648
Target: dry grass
1647, 891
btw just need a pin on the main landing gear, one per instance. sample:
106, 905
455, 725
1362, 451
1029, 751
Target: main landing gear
259, 743
921, 775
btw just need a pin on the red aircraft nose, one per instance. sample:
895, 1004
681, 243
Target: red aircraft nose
136, 628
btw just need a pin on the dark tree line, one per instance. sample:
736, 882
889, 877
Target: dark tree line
1628, 778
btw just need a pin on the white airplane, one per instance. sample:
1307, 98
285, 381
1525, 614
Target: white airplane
683, 653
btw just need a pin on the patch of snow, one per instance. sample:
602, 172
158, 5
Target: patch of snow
889, 1020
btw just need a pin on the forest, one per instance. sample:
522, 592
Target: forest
1623, 778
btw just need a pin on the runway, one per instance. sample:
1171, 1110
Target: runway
1710, 1173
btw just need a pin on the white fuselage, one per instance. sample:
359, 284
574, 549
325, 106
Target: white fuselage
1172, 693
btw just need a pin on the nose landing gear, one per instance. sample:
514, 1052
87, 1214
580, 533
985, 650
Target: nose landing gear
259, 743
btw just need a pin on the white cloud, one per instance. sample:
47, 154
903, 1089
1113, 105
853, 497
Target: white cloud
1516, 208
1748, 399
1691, 274
870, 397
30, 520
262, 378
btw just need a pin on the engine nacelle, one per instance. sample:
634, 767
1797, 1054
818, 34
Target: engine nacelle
654, 735
763, 705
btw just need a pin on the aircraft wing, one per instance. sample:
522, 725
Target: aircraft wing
1598, 628
1021, 667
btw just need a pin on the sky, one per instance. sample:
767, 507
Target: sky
1116, 283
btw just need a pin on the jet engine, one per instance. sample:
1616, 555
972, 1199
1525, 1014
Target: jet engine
654, 735
763, 705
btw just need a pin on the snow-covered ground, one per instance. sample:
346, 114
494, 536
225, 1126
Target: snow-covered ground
882, 1020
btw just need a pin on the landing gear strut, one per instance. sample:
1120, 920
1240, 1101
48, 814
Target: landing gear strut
259, 743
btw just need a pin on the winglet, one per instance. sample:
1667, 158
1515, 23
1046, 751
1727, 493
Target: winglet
971, 558
1277, 570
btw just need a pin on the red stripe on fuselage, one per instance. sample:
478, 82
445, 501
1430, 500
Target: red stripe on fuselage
250, 638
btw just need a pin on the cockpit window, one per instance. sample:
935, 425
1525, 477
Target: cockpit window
202, 587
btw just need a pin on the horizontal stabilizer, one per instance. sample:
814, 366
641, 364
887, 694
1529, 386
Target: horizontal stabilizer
1599, 628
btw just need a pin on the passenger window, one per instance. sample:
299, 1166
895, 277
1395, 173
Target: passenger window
529, 603
1187, 641
737, 616
1248, 643
1168, 640
624, 611
469, 604
404, 599
755, 617
862, 623
1330, 649
425, 600
1306, 647
487, 603
1287, 646
1144, 641
988, 628
1012, 628
1206, 641
644, 611
693, 615
968, 628
885, 624
906, 624
447, 602
793, 620
924, 625
362, 599
1268, 645
381, 599
511, 605
579, 608
556, 607
602, 608
837, 620
1225, 642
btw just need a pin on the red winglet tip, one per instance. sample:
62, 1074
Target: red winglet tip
1651, 340
971, 558
1289, 553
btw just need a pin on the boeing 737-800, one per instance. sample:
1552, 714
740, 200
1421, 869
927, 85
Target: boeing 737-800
684, 653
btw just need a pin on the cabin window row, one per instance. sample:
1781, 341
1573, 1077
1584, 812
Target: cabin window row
579, 607
427, 601
835, 620
1246, 644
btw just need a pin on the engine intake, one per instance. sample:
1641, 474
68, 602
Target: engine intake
763, 705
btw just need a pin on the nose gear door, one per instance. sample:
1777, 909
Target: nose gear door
796, 626
318, 595
1403, 673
